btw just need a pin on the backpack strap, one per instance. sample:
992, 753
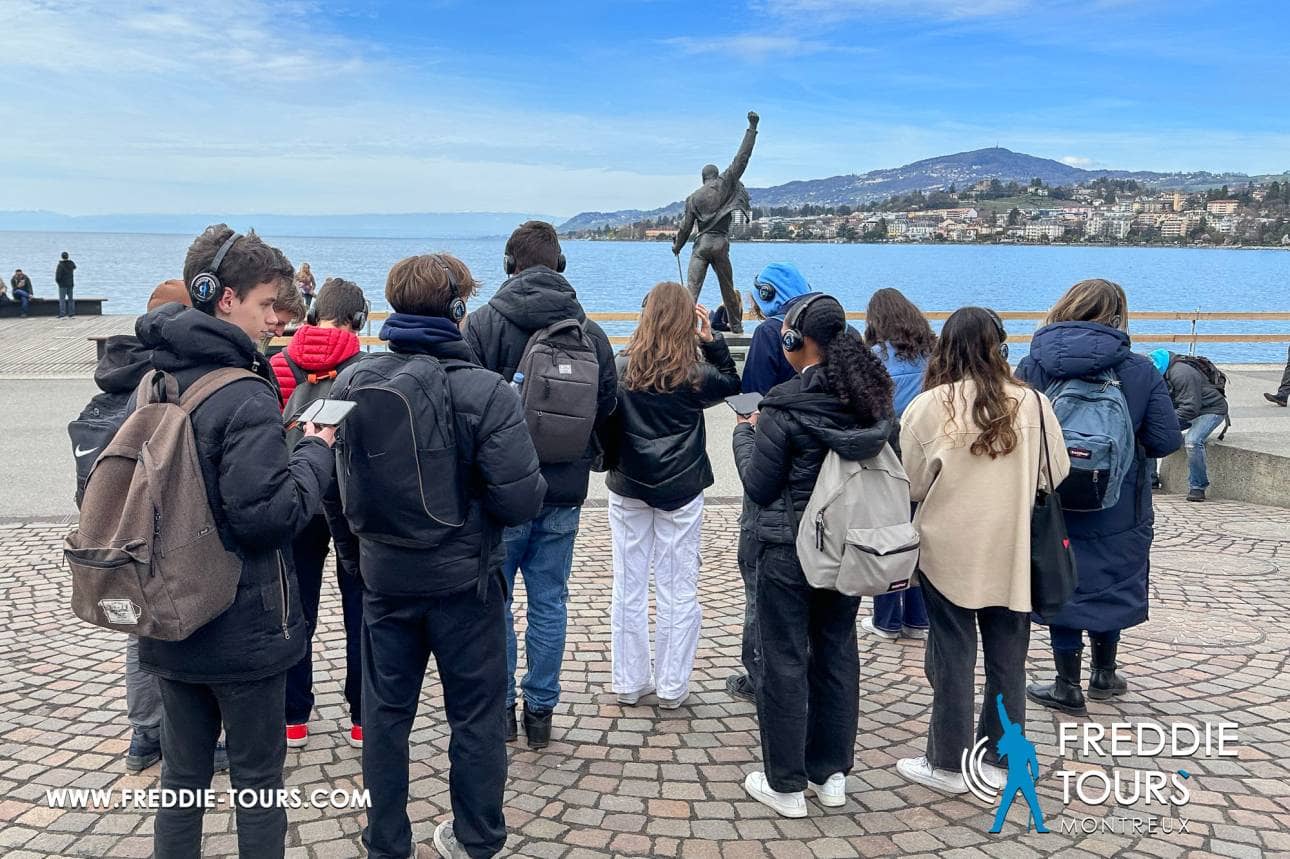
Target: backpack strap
198, 392
297, 371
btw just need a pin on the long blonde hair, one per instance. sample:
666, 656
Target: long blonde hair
663, 350
1094, 300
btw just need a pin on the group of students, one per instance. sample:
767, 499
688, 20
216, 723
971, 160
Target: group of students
495, 493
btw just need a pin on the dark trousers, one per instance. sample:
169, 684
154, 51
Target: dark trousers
468, 639
310, 552
1284, 390
251, 714
1066, 639
747, 560
66, 304
950, 663
901, 610
809, 684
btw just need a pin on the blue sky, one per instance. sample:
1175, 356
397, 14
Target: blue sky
363, 106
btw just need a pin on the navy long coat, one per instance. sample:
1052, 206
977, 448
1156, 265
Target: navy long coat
1112, 547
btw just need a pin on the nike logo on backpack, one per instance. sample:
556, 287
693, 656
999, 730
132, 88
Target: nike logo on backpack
79, 453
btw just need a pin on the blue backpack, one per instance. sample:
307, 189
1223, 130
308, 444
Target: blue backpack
1099, 439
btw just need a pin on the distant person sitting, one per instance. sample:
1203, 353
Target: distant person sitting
1201, 406
1283, 393
22, 291
65, 278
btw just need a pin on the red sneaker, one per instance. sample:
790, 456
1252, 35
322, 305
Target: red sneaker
297, 736
356, 736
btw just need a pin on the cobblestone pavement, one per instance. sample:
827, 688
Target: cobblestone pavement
641, 781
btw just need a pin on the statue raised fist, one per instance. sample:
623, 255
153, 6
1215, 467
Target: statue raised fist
753, 119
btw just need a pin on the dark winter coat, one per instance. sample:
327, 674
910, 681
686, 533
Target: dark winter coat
63, 274
498, 332
1193, 395
657, 443
800, 422
260, 497
498, 462
1112, 547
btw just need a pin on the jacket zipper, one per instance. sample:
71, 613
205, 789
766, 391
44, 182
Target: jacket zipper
282, 584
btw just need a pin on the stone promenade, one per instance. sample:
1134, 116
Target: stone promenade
633, 781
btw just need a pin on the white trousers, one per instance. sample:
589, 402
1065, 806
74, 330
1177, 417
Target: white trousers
666, 541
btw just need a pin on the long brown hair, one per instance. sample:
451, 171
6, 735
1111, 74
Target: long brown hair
663, 350
891, 318
1094, 300
969, 350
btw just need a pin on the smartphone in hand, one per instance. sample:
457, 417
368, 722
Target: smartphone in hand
744, 404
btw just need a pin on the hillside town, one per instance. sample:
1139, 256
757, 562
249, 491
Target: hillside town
1107, 211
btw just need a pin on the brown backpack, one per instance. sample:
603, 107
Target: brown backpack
146, 557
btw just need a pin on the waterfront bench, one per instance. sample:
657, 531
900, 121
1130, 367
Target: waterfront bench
43, 305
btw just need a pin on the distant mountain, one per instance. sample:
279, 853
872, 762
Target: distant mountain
438, 225
963, 169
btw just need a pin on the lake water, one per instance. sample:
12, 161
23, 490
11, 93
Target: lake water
616, 275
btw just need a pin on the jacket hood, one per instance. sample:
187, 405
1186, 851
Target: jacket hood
407, 332
1071, 350
536, 298
182, 338
823, 416
789, 284
324, 349
125, 362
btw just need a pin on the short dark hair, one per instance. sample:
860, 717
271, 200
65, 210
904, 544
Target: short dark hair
419, 285
534, 243
248, 263
339, 300
64, 254
289, 300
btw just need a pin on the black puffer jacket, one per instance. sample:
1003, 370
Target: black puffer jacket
261, 499
504, 487
800, 422
657, 443
1193, 395
498, 332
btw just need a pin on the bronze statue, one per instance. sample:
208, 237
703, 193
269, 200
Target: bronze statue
711, 208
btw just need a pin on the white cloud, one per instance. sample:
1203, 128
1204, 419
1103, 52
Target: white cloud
752, 46
1077, 161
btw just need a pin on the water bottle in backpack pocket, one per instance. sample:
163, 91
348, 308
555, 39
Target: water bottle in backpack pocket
1098, 432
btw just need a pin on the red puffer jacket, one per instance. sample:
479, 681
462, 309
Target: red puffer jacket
313, 350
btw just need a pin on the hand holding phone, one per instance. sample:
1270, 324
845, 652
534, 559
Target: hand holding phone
323, 412
744, 404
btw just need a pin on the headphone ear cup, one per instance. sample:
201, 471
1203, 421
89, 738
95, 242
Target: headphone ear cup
205, 289
457, 310
766, 291
560, 264
508, 264
791, 340
311, 315
360, 318
1003, 350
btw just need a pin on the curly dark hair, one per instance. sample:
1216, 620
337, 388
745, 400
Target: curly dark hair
891, 318
248, 263
853, 373
968, 350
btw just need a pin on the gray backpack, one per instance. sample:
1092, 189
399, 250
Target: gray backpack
559, 391
856, 536
146, 557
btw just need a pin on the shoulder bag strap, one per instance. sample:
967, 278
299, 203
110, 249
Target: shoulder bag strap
1045, 462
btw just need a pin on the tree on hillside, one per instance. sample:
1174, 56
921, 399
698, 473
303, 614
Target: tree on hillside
1014, 217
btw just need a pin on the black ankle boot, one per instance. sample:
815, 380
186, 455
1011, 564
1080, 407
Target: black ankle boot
1064, 693
512, 730
1103, 681
537, 727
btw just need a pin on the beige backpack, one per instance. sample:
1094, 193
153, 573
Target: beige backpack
146, 557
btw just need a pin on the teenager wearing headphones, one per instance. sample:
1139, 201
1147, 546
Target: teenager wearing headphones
972, 444
809, 671
318, 351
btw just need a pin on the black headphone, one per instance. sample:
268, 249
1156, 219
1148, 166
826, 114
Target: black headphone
509, 266
456, 304
1003, 332
765, 289
791, 336
358, 320
205, 289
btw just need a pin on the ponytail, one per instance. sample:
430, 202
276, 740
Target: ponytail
853, 373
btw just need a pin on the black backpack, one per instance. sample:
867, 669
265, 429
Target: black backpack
396, 453
1215, 377
92, 430
309, 387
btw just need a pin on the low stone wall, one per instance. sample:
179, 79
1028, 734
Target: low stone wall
1235, 473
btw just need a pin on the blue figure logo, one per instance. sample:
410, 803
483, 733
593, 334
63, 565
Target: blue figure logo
1023, 771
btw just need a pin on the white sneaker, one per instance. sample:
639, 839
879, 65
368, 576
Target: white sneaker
920, 771
867, 625
993, 776
914, 632
785, 804
673, 703
831, 794
630, 699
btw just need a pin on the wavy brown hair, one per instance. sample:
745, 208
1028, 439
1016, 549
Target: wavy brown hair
892, 318
1094, 300
968, 350
663, 351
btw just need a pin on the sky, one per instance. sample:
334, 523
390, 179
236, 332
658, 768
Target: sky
362, 106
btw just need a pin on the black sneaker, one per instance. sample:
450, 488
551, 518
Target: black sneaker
740, 687
144, 752
537, 727
512, 730
1196, 495
1275, 399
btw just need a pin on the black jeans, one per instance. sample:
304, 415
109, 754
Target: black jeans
809, 685
310, 552
251, 713
66, 304
468, 639
747, 560
950, 663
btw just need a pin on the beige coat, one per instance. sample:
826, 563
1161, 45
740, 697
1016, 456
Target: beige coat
975, 512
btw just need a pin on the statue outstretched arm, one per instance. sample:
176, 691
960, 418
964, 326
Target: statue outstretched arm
683, 232
740, 164
1003, 712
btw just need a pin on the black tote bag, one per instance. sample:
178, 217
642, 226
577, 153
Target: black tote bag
1052, 563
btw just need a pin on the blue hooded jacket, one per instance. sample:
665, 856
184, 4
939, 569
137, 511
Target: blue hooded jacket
1112, 547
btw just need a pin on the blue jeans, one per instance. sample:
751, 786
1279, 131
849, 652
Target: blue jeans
1067, 639
24, 298
66, 305
1196, 438
904, 609
543, 551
